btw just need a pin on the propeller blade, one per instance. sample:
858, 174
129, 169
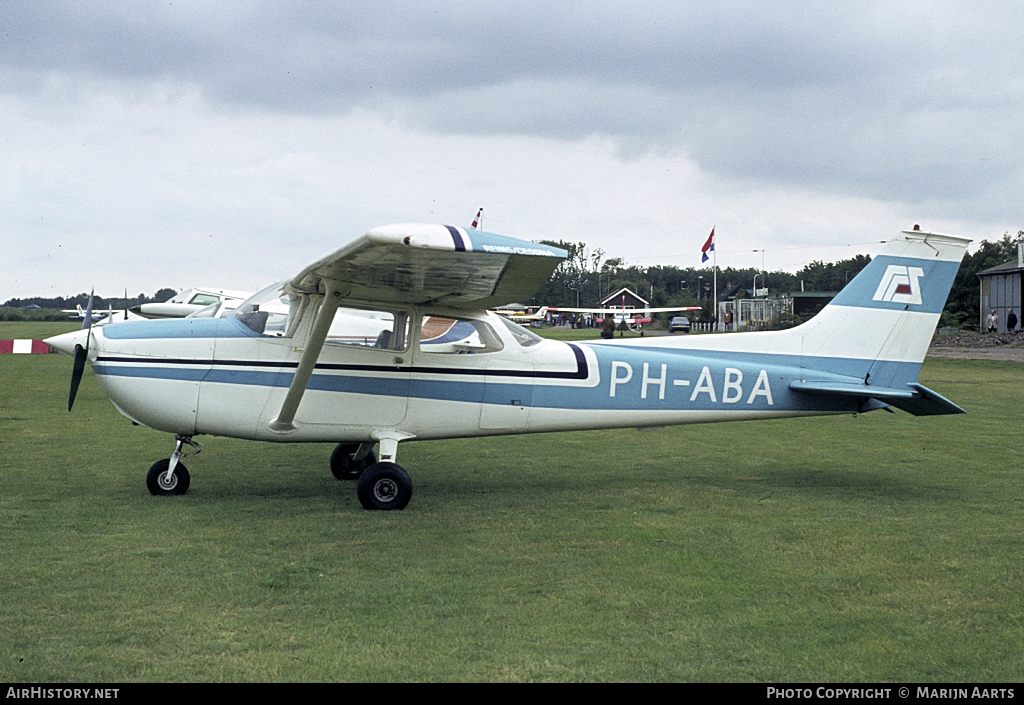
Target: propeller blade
81, 354
87, 321
76, 374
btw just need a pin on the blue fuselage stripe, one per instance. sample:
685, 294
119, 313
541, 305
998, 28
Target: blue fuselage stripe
655, 379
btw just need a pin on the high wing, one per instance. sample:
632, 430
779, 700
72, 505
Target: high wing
415, 264
434, 264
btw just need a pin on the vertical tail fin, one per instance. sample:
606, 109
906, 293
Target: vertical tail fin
882, 322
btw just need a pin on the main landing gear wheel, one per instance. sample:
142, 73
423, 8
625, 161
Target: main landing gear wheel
158, 482
344, 466
384, 486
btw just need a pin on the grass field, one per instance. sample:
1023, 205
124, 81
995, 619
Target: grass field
874, 548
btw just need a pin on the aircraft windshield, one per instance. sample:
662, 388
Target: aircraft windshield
267, 311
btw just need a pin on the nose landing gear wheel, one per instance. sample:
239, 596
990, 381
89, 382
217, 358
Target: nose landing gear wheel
384, 486
158, 482
344, 465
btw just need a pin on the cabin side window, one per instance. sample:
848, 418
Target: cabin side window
204, 299
457, 336
370, 328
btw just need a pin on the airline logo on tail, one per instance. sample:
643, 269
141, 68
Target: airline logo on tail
900, 285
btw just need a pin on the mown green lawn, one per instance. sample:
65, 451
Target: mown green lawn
874, 548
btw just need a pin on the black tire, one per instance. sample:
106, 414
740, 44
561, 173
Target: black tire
384, 486
343, 464
158, 486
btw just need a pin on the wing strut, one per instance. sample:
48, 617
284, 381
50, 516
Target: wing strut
285, 421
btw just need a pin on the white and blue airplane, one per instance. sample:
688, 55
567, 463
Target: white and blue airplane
188, 302
389, 339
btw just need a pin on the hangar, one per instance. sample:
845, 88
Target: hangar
1001, 290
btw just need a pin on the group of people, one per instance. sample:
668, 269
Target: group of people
992, 322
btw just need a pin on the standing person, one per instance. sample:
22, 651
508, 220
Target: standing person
1011, 320
608, 327
992, 322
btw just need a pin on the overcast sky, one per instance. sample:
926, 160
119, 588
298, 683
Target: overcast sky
182, 143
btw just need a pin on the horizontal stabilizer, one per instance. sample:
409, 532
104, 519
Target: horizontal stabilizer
917, 399
929, 403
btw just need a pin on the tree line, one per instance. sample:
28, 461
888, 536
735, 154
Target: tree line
40, 308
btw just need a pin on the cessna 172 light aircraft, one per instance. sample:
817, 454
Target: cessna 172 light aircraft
389, 339
187, 302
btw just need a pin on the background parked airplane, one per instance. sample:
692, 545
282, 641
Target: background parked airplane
189, 301
521, 316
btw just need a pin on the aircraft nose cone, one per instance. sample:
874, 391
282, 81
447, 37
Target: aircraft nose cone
66, 343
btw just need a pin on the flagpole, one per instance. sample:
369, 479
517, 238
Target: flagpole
709, 244
714, 263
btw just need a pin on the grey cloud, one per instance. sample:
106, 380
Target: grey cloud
905, 100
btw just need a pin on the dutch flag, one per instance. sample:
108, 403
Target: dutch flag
709, 246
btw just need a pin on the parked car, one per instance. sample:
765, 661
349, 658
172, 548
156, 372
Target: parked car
679, 323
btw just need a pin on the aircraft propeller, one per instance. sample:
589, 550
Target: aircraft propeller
81, 354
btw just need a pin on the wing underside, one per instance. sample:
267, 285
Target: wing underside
434, 264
